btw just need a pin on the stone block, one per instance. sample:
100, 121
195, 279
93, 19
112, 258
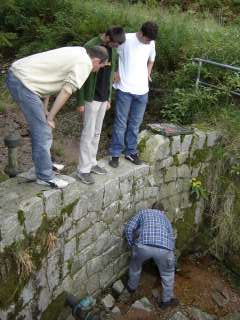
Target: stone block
69, 250
156, 148
126, 185
118, 287
94, 266
10, 228
199, 212
108, 302
143, 304
185, 200
109, 212
138, 195
104, 242
141, 171
112, 192
212, 137
151, 192
52, 200
164, 163
95, 200
152, 182
183, 171
86, 239
186, 143
126, 202
82, 225
72, 192
81, 258
195, 172
93, 283
33, 211
106, 277
175, 145
171, 174
27, 293
44, 299
168, 189
198, 141
182, 157
53, 268
81, 208
116, 311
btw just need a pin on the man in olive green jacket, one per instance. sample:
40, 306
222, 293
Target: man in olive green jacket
94, 99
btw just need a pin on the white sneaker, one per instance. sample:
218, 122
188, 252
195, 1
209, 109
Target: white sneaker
30, 175
54, 183
57, 166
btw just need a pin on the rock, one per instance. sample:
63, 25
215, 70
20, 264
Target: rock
197, 314
116, 311
178, 316
118, 287
156, 293
221, 298
108, 302
143, 304
231, 316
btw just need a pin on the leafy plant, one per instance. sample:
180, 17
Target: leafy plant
197, 190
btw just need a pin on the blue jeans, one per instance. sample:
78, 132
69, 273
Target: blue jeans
129, 112
41, 134
165, 261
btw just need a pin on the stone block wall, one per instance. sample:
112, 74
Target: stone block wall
53, 241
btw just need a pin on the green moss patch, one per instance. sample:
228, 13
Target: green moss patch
186, 229
54, 310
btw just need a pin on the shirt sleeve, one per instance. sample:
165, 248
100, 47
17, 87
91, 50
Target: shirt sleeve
78, 75
152, 54
131, 226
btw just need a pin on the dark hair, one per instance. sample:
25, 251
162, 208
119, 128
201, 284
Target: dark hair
158, 206
116, 34
98, 52
150, 30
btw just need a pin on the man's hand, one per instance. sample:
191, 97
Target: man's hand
80, 109
108, 105
116, 77
51, 123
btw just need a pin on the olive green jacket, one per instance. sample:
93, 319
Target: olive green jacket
87, 91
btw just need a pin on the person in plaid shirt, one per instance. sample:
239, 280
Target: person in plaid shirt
150, 235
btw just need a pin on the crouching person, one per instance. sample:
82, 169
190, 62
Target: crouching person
150, 235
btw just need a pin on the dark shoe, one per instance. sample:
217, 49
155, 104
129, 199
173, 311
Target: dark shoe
114, 162
98, 170
86, 178
134, 159
174, 302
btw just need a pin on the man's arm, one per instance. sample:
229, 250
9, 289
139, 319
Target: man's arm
131, 226
59, 102
45, 104
150, 66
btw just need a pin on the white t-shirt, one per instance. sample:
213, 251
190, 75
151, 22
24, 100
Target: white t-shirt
47, 72
133, 58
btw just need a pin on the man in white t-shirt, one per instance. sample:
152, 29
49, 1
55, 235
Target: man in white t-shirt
33, 79
136, 59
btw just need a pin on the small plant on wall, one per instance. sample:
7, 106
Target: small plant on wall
197, 190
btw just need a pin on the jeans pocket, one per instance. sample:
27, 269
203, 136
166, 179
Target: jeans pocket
171, 263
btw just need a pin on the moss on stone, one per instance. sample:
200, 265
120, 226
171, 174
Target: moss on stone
175, 160
21, 217
198, 157
69, 208
54, 309
186, 229
3, 177
142, 145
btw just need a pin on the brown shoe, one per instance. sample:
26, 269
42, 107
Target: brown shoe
174, 302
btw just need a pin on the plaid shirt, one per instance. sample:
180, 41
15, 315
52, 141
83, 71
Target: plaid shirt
150, 227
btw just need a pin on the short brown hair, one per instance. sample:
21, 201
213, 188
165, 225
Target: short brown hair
158, 206
116, 34
150, 30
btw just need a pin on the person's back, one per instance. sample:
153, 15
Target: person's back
45, 73
150, 236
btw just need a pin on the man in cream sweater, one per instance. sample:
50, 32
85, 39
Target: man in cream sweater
33, 79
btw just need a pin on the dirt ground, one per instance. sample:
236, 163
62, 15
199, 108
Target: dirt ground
198, 280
